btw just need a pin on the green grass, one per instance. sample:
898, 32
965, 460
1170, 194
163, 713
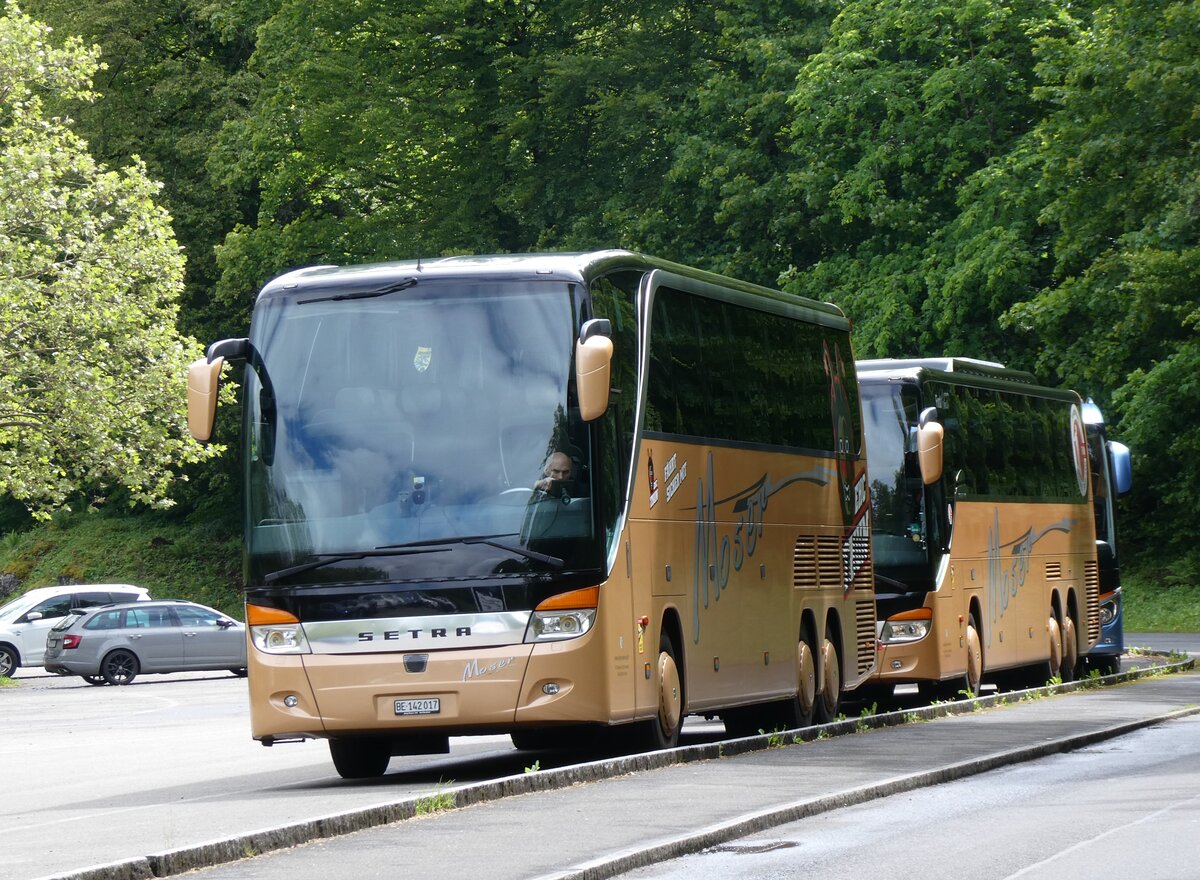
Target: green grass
1152, 607
173, 559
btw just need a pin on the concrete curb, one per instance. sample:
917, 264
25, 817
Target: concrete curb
254, 843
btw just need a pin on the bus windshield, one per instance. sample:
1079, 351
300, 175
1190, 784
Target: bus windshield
423, 433
899, 542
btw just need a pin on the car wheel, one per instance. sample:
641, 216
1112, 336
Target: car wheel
8, 661
94, 679
119, 667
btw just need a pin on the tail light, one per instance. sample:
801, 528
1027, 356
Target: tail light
72, 641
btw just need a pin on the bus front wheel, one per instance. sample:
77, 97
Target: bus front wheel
360, 757
662, 731
974, 657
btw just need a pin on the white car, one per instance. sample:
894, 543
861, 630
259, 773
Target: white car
26, 619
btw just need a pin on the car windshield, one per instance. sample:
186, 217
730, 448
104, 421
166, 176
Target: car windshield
14, 608
425, 415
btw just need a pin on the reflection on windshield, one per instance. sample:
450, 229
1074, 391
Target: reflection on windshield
898, 541
425, 415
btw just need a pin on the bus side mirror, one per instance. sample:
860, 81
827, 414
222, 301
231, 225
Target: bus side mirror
930, 437
204, 379
593, 363
1122, 469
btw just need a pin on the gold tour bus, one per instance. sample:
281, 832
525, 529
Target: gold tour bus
544, 495
983, 539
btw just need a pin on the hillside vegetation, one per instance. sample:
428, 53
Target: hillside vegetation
174, 559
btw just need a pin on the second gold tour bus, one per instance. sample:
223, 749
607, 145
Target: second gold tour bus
984, 541
555, 496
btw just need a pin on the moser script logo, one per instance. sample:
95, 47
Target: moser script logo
722, 548
1004, 582
474, 670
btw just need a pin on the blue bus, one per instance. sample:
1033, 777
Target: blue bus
1111, 478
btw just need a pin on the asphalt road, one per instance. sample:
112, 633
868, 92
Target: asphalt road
101, 775
1128, 807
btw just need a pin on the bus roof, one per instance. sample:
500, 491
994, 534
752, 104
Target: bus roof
571, 267
959, 371
912, 367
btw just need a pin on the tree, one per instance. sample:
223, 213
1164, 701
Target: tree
93, 380
907, 100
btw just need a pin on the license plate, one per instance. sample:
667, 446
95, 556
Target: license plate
422, 706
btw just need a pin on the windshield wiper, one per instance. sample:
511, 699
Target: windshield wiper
362, 294
490, 540
327, 558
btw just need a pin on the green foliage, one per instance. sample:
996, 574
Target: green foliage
92, 389
1014, 181
1163, 598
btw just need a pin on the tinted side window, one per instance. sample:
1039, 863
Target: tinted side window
56, 606
614, 297
728, 372
93, 600
105, 620
197, 616
1001, 444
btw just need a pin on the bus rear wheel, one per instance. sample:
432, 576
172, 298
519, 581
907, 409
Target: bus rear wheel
360, 757
799, 711
829, 701
1054, 664
1070, 652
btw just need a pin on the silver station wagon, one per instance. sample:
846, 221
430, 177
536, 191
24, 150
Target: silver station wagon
116, 643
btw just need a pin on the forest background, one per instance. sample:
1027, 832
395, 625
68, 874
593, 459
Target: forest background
1017, 181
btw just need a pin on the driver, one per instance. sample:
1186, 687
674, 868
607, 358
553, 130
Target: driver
556, 473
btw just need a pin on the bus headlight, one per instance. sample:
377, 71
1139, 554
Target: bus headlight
547, 626
1108, 608
908, 626
565, 616
280, 638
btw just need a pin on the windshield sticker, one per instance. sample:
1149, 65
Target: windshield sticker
423, 358
674, 476
1079, 450
856, 544
653, 482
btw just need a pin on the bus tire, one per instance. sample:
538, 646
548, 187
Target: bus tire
662, 731
360, 757
974, 676
1052, 667
829, 700
800, 709
1069, 670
